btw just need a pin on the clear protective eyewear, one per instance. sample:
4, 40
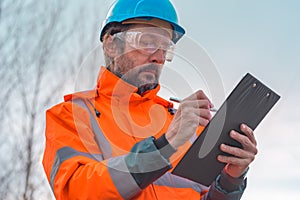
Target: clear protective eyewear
148, 43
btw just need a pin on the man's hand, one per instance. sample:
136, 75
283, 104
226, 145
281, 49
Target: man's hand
241, 158
192, 112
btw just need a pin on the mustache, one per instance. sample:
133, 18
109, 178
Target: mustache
152, 67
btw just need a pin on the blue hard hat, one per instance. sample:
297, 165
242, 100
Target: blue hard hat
123, 10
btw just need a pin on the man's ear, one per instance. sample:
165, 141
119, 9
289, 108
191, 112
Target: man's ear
110, 46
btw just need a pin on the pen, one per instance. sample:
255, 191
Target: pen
179, 100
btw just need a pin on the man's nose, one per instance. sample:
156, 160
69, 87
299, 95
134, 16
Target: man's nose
159, 56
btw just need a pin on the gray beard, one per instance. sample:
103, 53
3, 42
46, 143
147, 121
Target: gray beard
131, 77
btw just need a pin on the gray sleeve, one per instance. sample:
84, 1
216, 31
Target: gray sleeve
146, 163
226, 187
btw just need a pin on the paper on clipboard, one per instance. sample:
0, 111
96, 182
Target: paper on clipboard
248, 103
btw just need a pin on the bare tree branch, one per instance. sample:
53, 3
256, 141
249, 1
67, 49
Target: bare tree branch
39, 44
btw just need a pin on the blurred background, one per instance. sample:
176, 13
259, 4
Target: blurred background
51, 48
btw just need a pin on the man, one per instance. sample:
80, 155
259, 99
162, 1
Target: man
121, 141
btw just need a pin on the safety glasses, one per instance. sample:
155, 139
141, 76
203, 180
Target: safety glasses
148, 43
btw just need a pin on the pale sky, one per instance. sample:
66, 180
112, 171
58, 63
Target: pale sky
263, 38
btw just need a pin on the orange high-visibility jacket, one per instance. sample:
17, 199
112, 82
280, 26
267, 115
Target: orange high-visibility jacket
100, 145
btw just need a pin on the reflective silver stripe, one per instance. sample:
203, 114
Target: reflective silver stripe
174, 181
64, 154
101, 140
119, 173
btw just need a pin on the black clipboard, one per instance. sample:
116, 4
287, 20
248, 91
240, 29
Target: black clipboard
248, 103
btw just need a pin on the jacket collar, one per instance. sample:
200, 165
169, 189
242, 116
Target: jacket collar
110, 85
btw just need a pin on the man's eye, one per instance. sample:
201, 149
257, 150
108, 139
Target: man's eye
165, 46
147, 43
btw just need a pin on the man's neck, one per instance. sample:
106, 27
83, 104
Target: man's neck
144, 88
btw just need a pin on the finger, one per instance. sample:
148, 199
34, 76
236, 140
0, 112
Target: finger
237, 152
247, 144
202, 112
205, 113
233, 160
200, 95
249, 133
203, 122
199, 116
195, 104
204, 103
